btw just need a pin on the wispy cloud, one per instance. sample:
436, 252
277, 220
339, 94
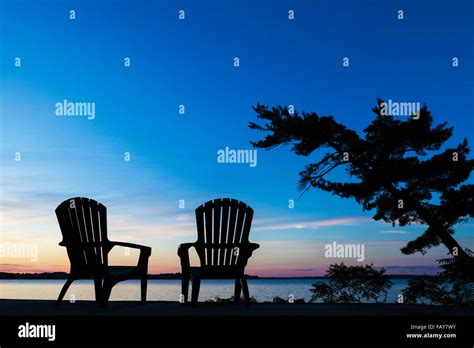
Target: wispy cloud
394, 232
313, 224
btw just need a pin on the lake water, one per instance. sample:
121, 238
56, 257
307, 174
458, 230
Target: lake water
168, 290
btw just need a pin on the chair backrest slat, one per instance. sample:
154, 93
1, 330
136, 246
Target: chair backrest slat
200, 223
231, 231
89, 247
102, 212
216, 233
208, 236
237, 235
224, 232
78, 232
91, 233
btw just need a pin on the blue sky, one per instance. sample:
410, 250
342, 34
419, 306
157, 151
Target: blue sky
173, 156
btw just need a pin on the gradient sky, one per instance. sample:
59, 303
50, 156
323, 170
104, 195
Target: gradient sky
173, 156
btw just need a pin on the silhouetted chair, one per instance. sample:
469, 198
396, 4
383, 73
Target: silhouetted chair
223, 247
83, 224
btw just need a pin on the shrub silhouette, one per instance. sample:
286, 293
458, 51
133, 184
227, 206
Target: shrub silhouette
439, 290
279, 300
422, 290
352, 284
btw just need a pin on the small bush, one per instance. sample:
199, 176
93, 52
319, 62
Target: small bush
352, 284
439, 290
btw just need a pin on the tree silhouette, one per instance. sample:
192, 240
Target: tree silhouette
402, 173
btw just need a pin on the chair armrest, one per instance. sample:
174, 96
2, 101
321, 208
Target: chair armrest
247, 250
143, 248
250, 248
183, 253
145, 252
254, 246
184, 248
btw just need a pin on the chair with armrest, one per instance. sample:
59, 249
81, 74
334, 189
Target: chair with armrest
223, 247
83, 224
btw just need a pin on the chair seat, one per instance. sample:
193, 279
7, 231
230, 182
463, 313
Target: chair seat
218, 272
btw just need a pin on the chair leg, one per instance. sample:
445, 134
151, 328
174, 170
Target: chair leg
144, 281
238, 286
195, 290
185, 286
64, 289
98, 289
106, 290
245, 290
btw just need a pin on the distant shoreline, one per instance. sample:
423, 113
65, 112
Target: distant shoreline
64, 275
